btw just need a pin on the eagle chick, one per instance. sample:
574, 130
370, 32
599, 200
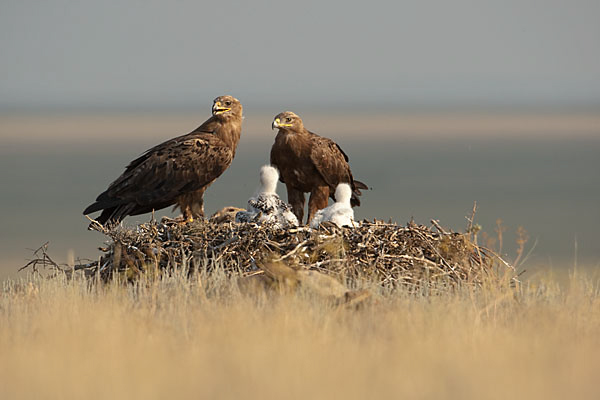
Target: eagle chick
340, 212
266, 206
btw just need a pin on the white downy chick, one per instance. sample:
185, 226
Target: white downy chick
266, 206
340, 212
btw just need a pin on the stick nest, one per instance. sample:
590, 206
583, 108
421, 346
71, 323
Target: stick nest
392, 255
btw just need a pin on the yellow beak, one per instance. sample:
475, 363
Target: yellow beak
277, 124
219, 109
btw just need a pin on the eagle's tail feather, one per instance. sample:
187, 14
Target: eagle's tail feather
360, 185
103, 201
112, 215
356, 191
97, 206
106, 215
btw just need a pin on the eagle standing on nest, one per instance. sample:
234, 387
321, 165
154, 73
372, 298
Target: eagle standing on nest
176, 172
309, 163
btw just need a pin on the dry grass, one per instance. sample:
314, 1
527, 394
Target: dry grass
200, 338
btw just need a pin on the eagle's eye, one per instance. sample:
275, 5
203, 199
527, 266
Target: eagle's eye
228, 103
288, 119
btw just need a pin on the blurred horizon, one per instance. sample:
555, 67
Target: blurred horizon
151, 127
201, 108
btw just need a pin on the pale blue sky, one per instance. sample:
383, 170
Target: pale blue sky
180, 54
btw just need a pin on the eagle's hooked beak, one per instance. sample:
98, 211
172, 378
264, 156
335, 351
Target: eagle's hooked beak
277, 124
218, 109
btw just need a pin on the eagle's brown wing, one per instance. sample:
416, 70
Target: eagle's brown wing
207, 127
277, 159
332, 164
171, 169
330, 161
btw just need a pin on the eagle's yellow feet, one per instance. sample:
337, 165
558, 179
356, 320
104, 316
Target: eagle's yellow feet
181, 220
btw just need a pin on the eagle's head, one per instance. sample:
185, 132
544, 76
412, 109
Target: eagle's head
226, 106
287, 120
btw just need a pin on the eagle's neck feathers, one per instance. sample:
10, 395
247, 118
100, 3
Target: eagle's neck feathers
228, 128
230, 132
294, 139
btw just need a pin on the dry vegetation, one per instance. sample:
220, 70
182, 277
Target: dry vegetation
176, 337
197, 332
414, 256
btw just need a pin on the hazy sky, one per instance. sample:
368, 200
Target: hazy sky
173, 54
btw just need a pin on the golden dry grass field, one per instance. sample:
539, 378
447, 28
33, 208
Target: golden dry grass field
203, 339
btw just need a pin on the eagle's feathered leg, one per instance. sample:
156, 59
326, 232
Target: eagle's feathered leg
296, 200
318, 199
192, 205
186, 212
197, 205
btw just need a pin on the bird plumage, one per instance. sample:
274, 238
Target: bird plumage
340, 212
310, 163
176, 172
266, 206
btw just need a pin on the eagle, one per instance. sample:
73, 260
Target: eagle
176, 172
266, 206
309, 163
340, 212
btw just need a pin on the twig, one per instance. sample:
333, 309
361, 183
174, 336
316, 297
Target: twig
436, 223
225, 243
470, 220
298, 247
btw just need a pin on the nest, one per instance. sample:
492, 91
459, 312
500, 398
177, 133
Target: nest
389, 254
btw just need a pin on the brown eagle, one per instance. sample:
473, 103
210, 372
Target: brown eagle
310, 163
176, 172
